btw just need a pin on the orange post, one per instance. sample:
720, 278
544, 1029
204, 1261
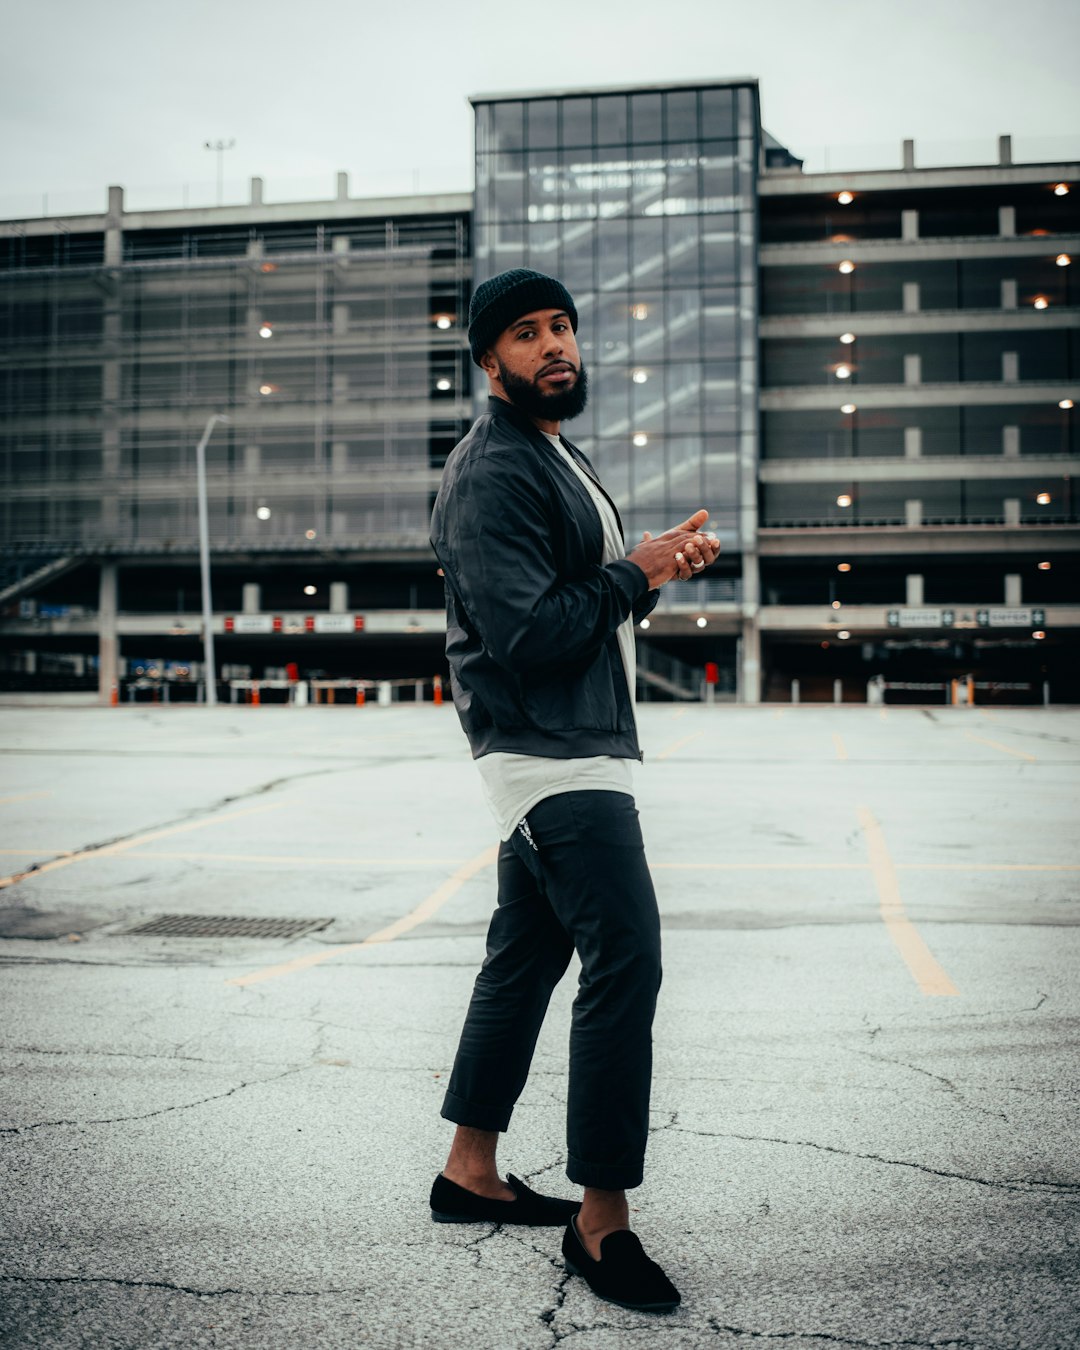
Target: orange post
437, 695
330, 694
255, 700
114, 696
361, 697
971, 691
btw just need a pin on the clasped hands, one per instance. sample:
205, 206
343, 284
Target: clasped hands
678, 554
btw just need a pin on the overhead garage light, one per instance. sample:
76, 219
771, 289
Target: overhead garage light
645, 624
843, 633
702, 621
843, 567
845, 198
847, 408
844, 499
847, 267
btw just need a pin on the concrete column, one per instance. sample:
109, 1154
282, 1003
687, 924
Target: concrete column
339, 457
1010, 366
750, 652
252, 602
339, 319
1008, 293
341, 244
1007, 221
912, 442
909, 224
913, 512
343, 187
909, 155
339, 597
911, 297
252, 459
256, 192
913, 591
913, 368
1005, 151
29, 663
108, 640
1013, 590
1012, 510
1010, 441
114, 228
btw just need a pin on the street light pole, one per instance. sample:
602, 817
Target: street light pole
209, 666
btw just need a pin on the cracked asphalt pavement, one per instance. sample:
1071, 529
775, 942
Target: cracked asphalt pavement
865, 1098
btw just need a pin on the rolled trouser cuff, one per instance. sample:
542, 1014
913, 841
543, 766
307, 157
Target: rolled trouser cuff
605, 1176
476, 1117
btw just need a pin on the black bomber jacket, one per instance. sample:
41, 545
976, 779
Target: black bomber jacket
531, 613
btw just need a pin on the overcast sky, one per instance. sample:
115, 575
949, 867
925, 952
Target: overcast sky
127, 91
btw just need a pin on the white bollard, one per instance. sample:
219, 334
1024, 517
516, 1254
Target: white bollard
794, 691
300, 694
386, 694
838, 691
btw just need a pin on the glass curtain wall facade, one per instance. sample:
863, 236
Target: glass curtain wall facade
644, 204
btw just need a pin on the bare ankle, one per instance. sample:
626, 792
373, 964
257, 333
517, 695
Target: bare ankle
602, 1212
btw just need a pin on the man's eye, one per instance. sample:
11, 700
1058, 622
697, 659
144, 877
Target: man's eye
525, 333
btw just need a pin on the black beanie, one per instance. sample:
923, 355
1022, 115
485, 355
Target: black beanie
498, 302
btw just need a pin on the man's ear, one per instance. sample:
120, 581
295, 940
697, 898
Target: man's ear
489, 365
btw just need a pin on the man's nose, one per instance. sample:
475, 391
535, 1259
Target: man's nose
553, 344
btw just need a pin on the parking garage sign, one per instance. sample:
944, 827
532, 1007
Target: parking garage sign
1010, 618
921, 618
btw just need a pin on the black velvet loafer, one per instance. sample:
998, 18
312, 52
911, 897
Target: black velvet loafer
451, 1203
623, 1275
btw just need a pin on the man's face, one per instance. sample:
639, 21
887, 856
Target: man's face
535, 364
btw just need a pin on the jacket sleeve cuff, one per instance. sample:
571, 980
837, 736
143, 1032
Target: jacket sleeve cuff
632, 578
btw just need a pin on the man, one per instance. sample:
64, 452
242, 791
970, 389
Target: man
541, 605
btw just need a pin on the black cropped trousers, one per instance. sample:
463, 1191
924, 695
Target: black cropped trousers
574, 879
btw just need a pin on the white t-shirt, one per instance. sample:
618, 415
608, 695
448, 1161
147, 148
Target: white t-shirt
513, 784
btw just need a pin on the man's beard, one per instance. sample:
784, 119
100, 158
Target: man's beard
559, 406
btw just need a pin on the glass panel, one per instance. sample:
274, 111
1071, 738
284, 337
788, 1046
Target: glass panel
717, 112
680, 121
614, 247
718, 182
645, 118
543, 121
683, 251
612, 125
577, 127
508, 126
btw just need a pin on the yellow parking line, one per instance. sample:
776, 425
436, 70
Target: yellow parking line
841, 748
929, 976
298, 859
996, 745
419, 915
669, 750
23, 797
110, 850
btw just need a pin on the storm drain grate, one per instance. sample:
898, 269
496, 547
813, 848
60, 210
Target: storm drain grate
209, 925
